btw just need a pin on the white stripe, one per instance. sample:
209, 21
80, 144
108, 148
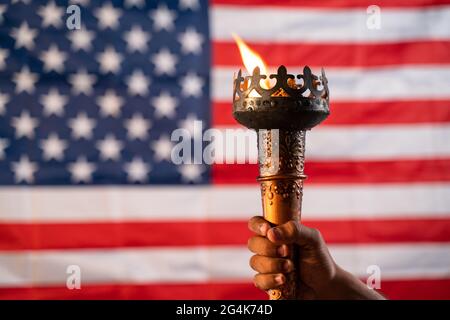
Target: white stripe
204, 264
334, 143
42, 204
311, 25
347, 84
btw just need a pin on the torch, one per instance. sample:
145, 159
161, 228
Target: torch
280, 107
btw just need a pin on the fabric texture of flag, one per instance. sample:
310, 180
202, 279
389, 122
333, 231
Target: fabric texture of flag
86, 117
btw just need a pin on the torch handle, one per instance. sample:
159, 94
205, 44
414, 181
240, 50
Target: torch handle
281, 163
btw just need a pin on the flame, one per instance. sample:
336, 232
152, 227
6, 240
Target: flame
251, 59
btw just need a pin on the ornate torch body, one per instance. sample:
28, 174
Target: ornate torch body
281, 115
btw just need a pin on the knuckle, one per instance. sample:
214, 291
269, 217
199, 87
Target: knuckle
263, 281
316, 235
258, 281
252, 222
292, 229
250, 243
278, 265
253, 261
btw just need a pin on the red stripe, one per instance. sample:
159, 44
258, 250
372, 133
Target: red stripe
337, 54
341, 172
403, 289
164, 291
363, 113
332, 3
208, 233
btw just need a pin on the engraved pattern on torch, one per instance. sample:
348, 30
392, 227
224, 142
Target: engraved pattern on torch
281, 164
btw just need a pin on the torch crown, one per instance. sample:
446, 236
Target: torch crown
293, 102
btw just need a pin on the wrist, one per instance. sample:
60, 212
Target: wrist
345, 285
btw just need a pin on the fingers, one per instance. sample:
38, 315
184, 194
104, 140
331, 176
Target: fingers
264, 264
268, 281
259, 225
285, 233
262, 246
293, 232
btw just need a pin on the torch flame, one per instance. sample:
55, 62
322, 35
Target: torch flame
251, 59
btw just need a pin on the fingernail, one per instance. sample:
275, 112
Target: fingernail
279, 279
277, 233
287, 266
281, 250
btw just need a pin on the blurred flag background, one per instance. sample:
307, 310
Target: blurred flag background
85, 122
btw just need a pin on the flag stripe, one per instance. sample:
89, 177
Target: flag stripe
393, 289
159, 291
337, 143
202, 264
338, 55
331, 3
363, 113
108, 204
51, 236
412, 82
345, 172
278, 24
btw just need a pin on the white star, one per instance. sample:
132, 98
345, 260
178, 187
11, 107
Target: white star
24, 125
2, 11
137, 170
81, 39
51, 15
162, 148
53, 147
191, 41
108, 16
165, 105
25, 80
82, 82
164, 62
137, 127
191, 172
192, 124
138, 83
136, 39
189, 4
4, 99
134, 3
191, 85
109, 148
81, 170
53, 102
24, 36
110, 104
82, 126
24, 170
53, 59
3, 55
109, 60
3, 145
163, 18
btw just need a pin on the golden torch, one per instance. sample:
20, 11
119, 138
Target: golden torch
280, 107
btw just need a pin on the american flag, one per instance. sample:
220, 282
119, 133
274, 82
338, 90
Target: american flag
86, 117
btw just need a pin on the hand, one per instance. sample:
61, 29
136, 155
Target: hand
319, 276
270, 245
